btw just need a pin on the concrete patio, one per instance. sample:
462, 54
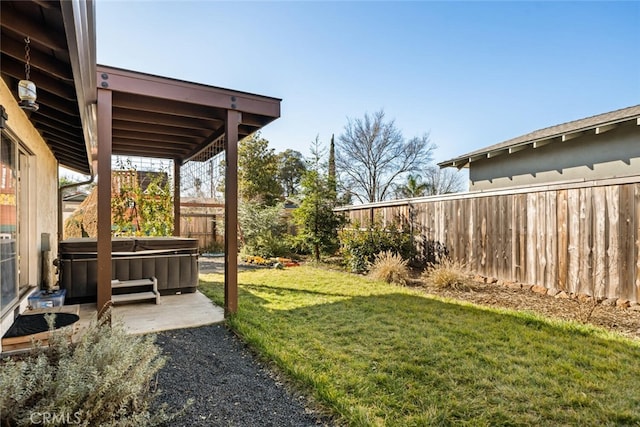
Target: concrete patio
187, 310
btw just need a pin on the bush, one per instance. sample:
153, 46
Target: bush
390, 267
447, 274
264, 230
360, 246
105, 379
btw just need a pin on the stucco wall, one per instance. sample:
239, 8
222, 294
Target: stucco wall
43, 179
611, 154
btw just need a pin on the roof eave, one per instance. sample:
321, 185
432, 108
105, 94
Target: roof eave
79, 23
490, 152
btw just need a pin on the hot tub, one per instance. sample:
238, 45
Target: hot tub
172, 261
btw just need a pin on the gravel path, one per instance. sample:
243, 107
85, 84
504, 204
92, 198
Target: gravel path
228, 385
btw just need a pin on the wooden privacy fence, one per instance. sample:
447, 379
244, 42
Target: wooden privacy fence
204, 227
579, 237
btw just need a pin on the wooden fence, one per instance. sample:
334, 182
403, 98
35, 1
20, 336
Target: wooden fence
203, 227
580, 237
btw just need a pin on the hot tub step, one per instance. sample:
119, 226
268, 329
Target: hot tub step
136, 296
146, 289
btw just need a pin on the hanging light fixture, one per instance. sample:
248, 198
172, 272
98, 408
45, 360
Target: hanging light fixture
26, 88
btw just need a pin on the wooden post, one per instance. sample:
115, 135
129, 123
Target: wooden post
176, 198
231, 213
104, 198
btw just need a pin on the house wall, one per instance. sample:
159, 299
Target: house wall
43, 184
615, 153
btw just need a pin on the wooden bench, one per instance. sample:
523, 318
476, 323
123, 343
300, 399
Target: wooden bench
141, 290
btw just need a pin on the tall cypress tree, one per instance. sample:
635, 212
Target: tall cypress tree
317, 222
333, 182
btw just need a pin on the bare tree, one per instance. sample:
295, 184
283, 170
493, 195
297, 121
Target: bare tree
371, 155
443, 181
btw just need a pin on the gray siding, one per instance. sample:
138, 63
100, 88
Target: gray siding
611, 154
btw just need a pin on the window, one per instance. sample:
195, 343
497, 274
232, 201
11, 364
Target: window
14, 221
8, 224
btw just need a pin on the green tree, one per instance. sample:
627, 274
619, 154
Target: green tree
291, 167
258, 171
333, 179
263, 229
317, 222
414, 187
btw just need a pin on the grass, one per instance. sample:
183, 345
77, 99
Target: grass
378, 354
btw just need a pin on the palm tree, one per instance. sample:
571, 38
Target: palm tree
414, 187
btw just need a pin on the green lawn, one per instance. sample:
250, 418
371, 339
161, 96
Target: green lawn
377, 354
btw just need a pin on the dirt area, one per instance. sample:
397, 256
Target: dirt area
625, 321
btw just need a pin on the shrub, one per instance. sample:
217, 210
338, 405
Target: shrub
264, 230
390, 267
104, 379
447, 274
359, 246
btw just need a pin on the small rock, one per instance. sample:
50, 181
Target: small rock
512, 285
584, 298
562, 295
539, 289
609, 302
552, 292
622, 303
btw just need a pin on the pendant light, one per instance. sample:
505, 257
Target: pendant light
26, 88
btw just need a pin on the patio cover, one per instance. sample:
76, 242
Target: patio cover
89, 112
145, 115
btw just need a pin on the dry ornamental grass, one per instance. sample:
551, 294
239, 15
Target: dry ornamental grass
390, 267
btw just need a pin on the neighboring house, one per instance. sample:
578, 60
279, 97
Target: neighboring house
593, 148
70, 203
87, 113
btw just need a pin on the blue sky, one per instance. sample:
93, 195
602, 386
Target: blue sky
470, 73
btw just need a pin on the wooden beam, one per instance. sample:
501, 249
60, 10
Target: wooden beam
123, 114
24, 24
104, 199
176, 198
460, 163
160, 129
43, 62
541, 143
477, 157
603, 129
570, 136
517, 148
178, 90
43, 81
492, 154
231, 214
164, 106
155, 137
